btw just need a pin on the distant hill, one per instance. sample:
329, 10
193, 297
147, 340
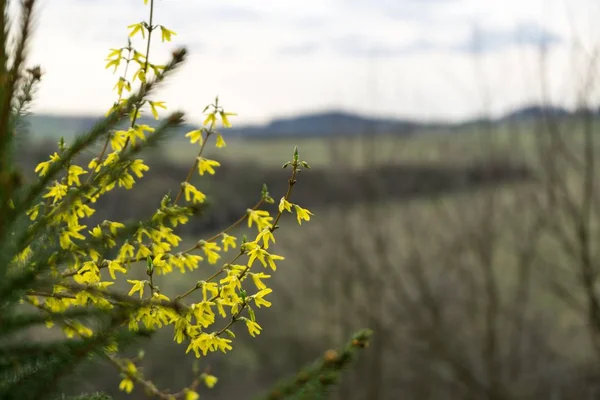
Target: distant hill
328, 124
52, 127
536, 111
55, 126
43, 126
322, 124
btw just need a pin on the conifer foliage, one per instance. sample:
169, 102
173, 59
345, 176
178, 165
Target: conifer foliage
316, 381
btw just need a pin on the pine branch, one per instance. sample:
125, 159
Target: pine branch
87, 396
32, 370
11, 78
316, 380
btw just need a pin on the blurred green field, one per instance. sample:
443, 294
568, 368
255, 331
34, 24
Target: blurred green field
451, 146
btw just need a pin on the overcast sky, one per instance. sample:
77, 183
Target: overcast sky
430, 59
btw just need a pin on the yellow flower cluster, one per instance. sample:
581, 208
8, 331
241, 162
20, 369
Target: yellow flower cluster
221, 299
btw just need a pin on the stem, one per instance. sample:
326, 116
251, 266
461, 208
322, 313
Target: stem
191, 171
55, 295
291, 183
233, 319
148, 385
139, 105
152, 288
124, 76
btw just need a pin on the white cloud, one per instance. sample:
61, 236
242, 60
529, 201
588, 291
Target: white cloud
267, 57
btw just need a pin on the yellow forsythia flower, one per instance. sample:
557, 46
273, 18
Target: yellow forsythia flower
209, 380
302, 214
224, 118
135, 28
285, 205
191, 193
44, 166
138, 167
266, 235
220, 142
166, 34
253, 328
211, 251
195, 136
154, 104
126, 385
228, 241
57, 192
206, 165
191, 395
256, 278
261, 218
259, 298
137, 286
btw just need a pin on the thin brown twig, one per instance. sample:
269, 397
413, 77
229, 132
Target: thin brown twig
150, 28
105, 147
190, 173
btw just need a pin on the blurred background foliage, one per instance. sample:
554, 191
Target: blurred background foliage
470, 250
